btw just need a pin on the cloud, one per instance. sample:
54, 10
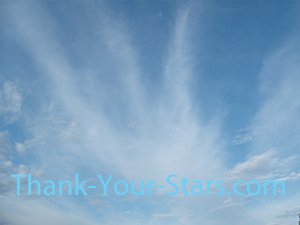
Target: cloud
268, 165
245, 135
5, 144
149, 130
10, 101
35, 211
153, 138
277, 118
102, 118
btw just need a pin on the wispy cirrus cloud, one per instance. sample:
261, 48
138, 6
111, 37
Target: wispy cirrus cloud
101, 118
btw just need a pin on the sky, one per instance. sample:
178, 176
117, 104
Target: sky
138, 89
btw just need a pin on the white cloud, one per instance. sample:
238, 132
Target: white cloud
278, 117
126, 134
20, 147
10, 101
167, 134
5, 145
40, 211
267, 165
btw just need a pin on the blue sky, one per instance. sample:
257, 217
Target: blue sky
206, 89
